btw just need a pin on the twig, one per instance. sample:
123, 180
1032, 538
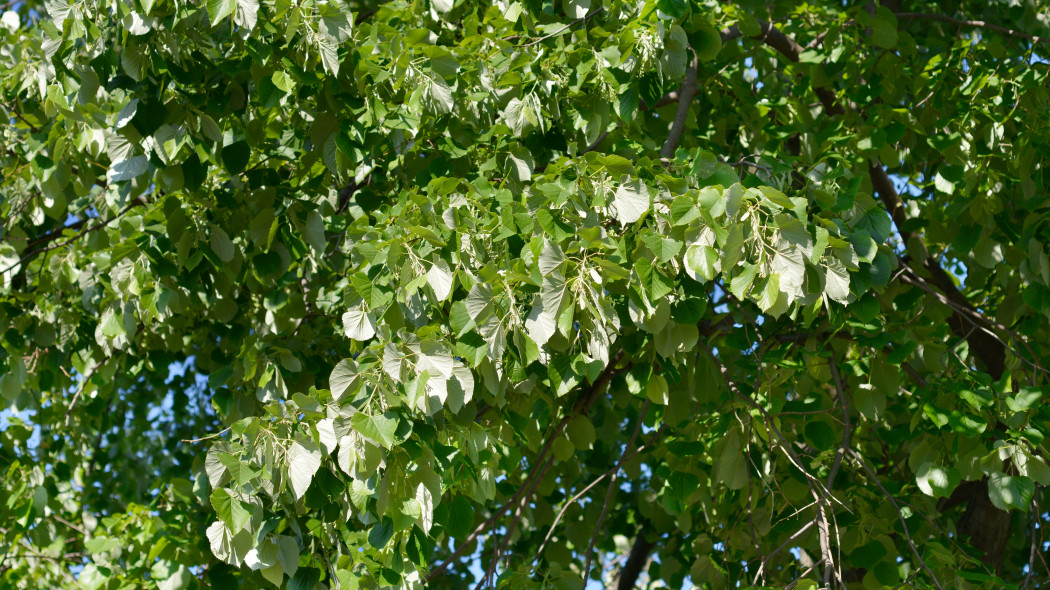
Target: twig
514, 524
972, 23
900, 516
210, 436
68, 524
82, 386
566, 27
597, 480
581, 405
612, 488
58, 233
797, 534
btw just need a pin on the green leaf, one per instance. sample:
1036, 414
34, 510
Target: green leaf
235, 157
1010, 492
867, 555
935, 480
461, 517
1025, 399
220, 9
426, 504
581, 432
378, 429
870, 401
706, 41
282, 80
440, 278
128, 169
701, 262
740, 285
230, 510
884, 28
836, 284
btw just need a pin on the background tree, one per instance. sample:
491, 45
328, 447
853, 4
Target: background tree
523, 293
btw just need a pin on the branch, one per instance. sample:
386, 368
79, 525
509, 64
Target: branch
210, 436
588, 487
612, 484
825, 540
563, 29
786, 46
989, 350
765, 560
636, 560
514, 523
83, 385
897, 507
581, 406
34, 246
685, 98
980, 24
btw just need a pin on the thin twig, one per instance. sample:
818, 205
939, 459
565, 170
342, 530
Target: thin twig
81, 387
514, 524
566, 27
581, 405
980, 24
588, 487
900, 515
210, 436
797, 534
612, 488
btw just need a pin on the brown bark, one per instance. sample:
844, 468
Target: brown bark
636, 561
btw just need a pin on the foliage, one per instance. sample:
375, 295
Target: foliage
312, 294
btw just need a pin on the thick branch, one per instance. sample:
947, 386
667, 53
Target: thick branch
986, 346
685, 99
988, 349
786, 46
636, 561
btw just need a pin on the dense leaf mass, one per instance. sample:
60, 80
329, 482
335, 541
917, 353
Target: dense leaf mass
524, 293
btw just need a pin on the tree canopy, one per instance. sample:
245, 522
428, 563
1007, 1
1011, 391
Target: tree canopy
448, 294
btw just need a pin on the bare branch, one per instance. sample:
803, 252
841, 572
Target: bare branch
765, 560
685, 99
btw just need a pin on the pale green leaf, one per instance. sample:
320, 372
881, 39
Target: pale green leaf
440, 278
630, 201
836, 285
359, 325
220, 9
344, 379
304, 458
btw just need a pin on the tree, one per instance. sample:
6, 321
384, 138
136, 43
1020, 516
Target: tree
449, 294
